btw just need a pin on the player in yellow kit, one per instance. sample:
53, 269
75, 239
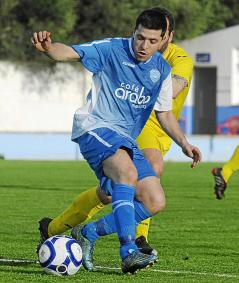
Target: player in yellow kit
153, 141
222, 175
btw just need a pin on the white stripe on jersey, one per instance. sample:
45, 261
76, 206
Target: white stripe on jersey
95, 42
95, 89
100, 139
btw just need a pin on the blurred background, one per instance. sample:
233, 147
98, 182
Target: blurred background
38, 97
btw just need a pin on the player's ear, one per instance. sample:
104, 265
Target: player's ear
166, 36
171, 37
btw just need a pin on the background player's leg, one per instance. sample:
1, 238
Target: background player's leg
84, 207
143, 229
231, 166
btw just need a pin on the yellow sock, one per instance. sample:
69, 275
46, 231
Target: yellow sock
231, 166
84, 207
143, 229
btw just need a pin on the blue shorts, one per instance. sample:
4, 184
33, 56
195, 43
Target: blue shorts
99, 144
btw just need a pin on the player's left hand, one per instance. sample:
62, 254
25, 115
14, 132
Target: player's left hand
194, 153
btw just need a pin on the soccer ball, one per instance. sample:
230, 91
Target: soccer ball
60, 255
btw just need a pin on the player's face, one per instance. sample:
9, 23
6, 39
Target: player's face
146, 42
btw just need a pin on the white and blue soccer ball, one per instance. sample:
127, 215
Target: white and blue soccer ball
60, 255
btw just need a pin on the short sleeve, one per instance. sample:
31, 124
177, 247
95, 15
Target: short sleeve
94, 55
180, 61
165, 98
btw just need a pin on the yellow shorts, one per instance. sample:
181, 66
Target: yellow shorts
154, 137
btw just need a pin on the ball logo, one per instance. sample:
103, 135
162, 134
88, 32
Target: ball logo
154, 75
132, 93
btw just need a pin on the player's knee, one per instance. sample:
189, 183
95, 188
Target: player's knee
156, 207
156, 202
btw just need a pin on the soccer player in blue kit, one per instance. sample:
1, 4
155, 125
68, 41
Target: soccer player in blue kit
130, 79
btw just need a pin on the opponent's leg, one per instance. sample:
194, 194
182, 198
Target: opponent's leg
85, 206
222, 175
143, 229
231, 166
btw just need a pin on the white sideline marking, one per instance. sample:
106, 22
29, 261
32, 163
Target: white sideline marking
225, 275
180, 272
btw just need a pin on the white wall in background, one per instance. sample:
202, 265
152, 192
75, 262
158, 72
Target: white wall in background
40, 102
222, 46
235, 76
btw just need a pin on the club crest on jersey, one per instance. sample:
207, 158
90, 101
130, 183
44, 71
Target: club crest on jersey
154, 75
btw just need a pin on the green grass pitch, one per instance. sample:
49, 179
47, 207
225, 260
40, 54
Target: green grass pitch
197, 236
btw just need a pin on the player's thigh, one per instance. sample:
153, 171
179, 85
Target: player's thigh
109, 155
120, 168
155, 158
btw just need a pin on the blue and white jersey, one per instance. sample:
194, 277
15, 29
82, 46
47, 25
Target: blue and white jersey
124, 91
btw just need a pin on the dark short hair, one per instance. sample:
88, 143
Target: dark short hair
153, 18
169, 16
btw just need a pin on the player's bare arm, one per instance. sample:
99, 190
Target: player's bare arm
171, 127
56, 51
179, 84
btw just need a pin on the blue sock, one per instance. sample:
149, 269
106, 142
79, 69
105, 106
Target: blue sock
106, 225
122, 220
141, 212
124, 216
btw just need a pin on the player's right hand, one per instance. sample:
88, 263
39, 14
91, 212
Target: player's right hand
194, 153
41, 40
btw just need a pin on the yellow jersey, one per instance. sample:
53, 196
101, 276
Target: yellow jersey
152, 135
